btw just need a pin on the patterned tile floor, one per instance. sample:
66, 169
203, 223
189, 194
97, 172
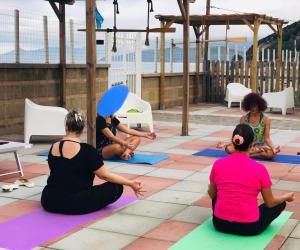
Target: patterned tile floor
176, 201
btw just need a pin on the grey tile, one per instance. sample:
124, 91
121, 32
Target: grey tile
189, 186
40, 181
177, 197
35, 197
288, 185
170, 173
291, 244
134, 169
199, 177
154, 209
214, 139
296, 231
5, 201
94, 240
181, 151
33, 158
127, 224
194, 214
22, 192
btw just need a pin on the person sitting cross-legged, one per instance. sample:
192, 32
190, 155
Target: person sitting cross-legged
235, 183
109, 145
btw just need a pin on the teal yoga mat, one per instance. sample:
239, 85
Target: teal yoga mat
206, 237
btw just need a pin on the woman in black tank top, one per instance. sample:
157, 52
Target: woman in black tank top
73, 166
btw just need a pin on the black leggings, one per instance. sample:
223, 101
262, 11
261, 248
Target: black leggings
86, 201
266, 216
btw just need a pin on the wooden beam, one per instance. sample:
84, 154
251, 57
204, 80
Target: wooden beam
162, 69
153, 30
91, 71
272, 28
62, 54
186, 70
182, 10
248, 23
279, 56
56, 10
254, 56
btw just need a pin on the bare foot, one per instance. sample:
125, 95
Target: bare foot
277, 149
220, 145
125, 156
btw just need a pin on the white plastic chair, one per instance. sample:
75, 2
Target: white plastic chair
43, 120
235, 92
282, 100
142, 117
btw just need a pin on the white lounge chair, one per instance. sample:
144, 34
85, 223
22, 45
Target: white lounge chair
282, 100
144, 116
43, 120
235, 92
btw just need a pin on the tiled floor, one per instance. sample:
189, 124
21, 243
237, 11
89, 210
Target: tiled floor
176, 200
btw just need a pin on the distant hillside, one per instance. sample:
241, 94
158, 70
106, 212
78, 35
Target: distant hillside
290, 34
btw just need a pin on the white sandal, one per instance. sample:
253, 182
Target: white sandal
24, 182
10, 187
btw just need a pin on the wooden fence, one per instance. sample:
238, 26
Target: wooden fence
220, 73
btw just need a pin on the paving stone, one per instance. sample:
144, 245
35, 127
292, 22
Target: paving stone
40, 180
181, 151
5, 201
293, 145
291, 244
177, 197
135, 169
189, 186
214, 139
22, 192
193, 214
288, 185
92, 239
199, 177
127, 224
149, 244
35, 197
288, 227
154, 209
170, 173
296, 231
33, 158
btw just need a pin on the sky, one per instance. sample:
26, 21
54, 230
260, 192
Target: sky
133, 13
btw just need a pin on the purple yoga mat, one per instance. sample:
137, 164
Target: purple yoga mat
37, 227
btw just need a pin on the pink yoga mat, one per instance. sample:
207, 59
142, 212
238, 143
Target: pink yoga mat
35, 228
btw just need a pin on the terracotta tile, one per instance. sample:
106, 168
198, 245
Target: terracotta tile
12, 178
37, 168
4, 218
155, 184
186, 166
149, 244
11, 164
203, 202
222, 133
276, 243
278, 170
197, 159
291, 177
297, 140
197, 145
19, 208
289, 151
171, 231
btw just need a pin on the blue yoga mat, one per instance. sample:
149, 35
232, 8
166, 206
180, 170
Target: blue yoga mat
291, 159
142, 159
44, 154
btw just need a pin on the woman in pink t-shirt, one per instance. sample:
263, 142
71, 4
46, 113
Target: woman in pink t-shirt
235, 183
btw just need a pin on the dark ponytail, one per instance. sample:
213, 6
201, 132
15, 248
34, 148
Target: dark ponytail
242, 137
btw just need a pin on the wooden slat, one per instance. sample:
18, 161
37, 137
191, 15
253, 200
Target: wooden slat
222, 82
247, 80
288, 74
236, 71
261, 77
282, 76
208, 80
242, 72
272, 77
294, 68
267, 77
231, 78
213, 82
227, 73
153, 30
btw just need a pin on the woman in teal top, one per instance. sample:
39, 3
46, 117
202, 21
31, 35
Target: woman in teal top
262, 147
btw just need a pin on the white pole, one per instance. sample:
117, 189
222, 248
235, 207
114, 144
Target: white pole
17, 36
72, 40
138, 64
236, 53
263, 54
46, 41
171, 55
155, 55
219, 53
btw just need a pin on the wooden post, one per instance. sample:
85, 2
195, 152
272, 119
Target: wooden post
162, 69
254, 56
279, 54
91, 71
186, 75
197, 80
155, 55
17, 36
46, 40
171, 56
72, 40
62, 54
206, 34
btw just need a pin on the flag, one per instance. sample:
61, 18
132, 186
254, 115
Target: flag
99, 19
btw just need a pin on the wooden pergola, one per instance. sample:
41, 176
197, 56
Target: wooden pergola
199, 24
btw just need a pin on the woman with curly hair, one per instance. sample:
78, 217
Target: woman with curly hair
262, 147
